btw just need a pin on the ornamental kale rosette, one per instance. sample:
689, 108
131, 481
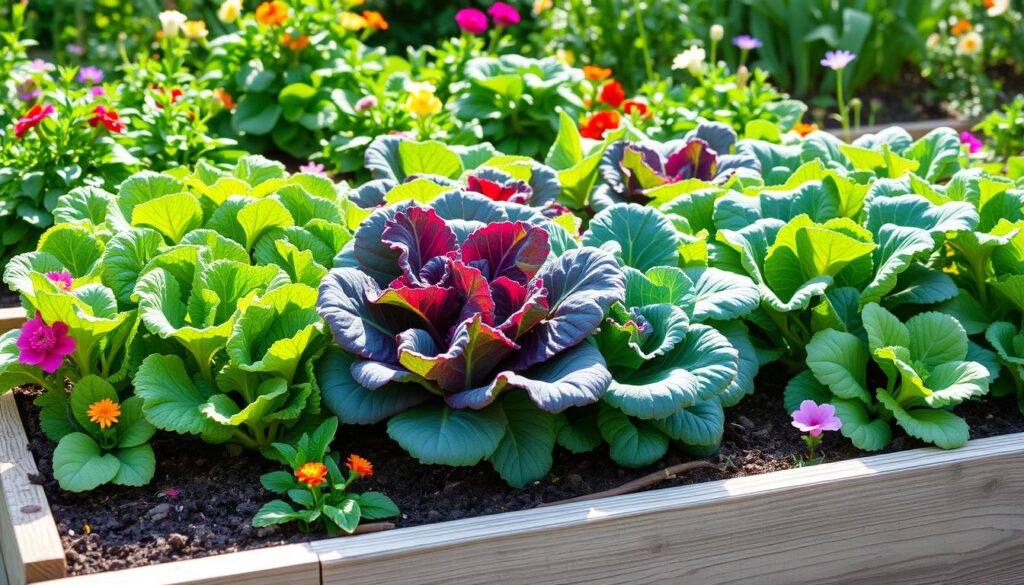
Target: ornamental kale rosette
467, 322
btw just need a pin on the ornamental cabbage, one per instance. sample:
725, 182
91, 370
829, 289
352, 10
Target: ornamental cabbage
463, 300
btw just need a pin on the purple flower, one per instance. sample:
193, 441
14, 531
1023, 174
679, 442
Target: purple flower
28, 91
62, 279
44, 346
367, 102
503, 14
974, 144
747, 42
40, 66
313, 168
471, 20
76, 49
838, 60
812, 418
90, 75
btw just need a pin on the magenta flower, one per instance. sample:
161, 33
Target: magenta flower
62, 279
313, 168
90, 75
974, 144
838, 60
75, 49
747, 42
40, 66
44, 346
813, 418
97, 91
503, 14
471, 20
367, 102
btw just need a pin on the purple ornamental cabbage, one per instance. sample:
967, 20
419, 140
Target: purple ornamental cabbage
630, 169
470, 307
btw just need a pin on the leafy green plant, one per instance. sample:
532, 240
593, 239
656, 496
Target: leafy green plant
925, 371
319, 488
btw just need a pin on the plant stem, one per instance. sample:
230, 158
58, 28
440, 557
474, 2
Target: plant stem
648, 65
844, 113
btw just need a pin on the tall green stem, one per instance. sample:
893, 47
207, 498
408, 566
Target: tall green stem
648, 64
844, 113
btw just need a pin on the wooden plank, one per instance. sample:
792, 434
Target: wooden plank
31, 546
920, 517
915, 129
11, 318
292, 564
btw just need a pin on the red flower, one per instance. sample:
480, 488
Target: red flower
612, 93
361, 466
175, 94
595, 126
630, 106
108, 118
32, 118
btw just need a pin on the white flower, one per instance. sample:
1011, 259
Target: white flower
998, 7
717, 32
691, 59
171, 21
969, 44
229, 11
933, 41
417, 86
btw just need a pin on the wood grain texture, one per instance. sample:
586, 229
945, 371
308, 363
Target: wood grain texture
293, 564
915, 129
11, 318
31, 546
920, 517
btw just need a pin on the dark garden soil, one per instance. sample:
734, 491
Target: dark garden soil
202, 499
8, 298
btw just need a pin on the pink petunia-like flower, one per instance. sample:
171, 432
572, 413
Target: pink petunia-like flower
62, 279
472, 21
814, 418
974, 144
312, 168
838, 60
367, 102
504, 14
747, 42
44, 345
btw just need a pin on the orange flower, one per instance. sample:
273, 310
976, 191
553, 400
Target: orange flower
594, 127
804, 129
272, 13
595, 73
225, 98
104, 412
312, 474
295, 43
359, 465
962, 26
612, 93
375, 20
629, 106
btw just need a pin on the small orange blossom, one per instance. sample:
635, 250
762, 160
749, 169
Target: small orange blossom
272, 13
359, 465
804, 129
104, 412
312, 474
375, 20
595, 73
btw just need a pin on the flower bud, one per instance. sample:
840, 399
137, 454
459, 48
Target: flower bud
717, 32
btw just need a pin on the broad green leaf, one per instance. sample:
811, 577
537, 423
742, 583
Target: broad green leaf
375, 506
632, 443
137, 465
577, 431
640, 237
79, 465
524, 452
839, 361
436, 434
939, 427
346, 515
863, 430
86, 392
428, 158
883, 328
171, 215
804, 386
274, 512
936, 339
174, 402
73, 246
700, 424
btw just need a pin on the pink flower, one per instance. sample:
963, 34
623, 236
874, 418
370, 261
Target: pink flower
312, 168
503, 14
471, 20
974, 144
107, 117
44, 346
367, 102
812, 418
62, 279
838, 60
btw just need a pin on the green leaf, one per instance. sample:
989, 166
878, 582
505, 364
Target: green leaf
73, 246
274, 512
939, 427
124, 257
256, 114
640, 237
804, 386
277, 331
567, 150
12, 372
87, 391
428, 158
632, 443
700, 424
936, 339
346, 516
171, 215
137, 465
172, 401
865, 432
278, 482
420, 190
79, 465
839, 360
578, 432
436, 434
375, 505
524, 453
884, 329
354, 404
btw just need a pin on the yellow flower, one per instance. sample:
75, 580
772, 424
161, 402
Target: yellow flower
104, 412
565, 57
421, 101
540, 6
352, 21
229, 11
969, 44
195, 29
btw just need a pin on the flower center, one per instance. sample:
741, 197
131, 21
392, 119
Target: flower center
44, 339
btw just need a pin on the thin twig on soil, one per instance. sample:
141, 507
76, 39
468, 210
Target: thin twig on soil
372, 527
638, 484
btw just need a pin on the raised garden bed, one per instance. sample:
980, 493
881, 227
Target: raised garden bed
958, 520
